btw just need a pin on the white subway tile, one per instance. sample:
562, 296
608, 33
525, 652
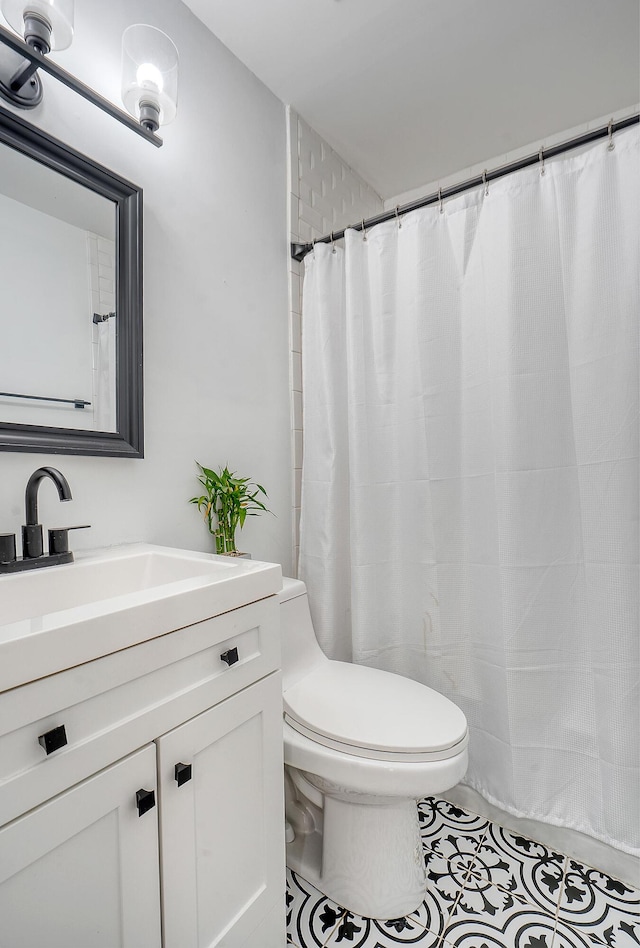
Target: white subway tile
306, 232
297, 410
296, 332
106, 246
297, 487
306, 194
312, 218
296, 371
294, 215
294, 293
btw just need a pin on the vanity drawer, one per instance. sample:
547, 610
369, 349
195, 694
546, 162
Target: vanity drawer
115, 704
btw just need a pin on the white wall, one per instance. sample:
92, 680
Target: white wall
488, 164
325, 195
215, 284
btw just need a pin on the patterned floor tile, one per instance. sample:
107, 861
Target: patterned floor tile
481, 898
487, 888
527, 870
606, 911
450, 862
568, 937
442, 894
359, 932
422, 928
516, 926
311, 916
440, 819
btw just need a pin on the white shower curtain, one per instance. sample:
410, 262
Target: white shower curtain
470, 479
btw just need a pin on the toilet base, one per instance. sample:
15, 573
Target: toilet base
366, 856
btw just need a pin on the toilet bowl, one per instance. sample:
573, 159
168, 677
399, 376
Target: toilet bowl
361, 746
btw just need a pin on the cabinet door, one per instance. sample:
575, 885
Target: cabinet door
222, 830
82, 869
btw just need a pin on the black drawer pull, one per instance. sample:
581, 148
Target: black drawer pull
230, 656
182, 773
53, 740
145, 800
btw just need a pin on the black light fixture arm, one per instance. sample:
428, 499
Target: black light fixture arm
300, 250
22, 76
37, 35
36, 61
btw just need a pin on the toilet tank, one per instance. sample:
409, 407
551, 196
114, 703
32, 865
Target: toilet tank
301, 653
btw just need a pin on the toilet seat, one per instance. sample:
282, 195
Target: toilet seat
375, 714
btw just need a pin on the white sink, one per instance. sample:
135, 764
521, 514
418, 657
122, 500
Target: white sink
61, 616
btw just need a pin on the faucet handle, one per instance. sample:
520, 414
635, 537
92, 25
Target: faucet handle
7, 547
59, 538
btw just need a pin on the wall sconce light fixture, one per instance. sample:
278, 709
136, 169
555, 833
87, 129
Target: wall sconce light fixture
149, 65
46, 25
149, 75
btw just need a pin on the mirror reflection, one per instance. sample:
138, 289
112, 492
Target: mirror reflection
58, 320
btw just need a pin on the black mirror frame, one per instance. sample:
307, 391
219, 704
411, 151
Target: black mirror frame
128, 439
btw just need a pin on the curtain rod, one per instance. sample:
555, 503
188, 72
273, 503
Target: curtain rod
300, 250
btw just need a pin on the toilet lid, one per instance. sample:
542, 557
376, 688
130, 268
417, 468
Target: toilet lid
368, 708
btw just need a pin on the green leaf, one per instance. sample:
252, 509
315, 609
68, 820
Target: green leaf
226, 502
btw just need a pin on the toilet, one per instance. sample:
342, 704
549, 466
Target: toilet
361, 747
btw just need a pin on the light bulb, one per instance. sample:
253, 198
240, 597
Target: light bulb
149, 77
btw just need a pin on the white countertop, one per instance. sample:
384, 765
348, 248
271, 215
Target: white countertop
61, 616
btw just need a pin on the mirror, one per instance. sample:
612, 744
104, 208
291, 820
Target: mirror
70, 300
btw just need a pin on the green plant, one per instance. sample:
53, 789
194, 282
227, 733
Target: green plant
227, 501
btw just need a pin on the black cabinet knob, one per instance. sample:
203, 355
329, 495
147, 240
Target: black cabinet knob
53, 740
230, 656
145, 800
182, 773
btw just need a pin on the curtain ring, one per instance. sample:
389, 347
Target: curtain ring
364, 230
611, 144
440, 200
333, 246
541, 160
398, 221
485, 182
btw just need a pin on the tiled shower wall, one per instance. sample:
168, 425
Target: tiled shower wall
102, 285
325, 195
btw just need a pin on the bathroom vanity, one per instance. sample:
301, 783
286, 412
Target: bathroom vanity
141, 753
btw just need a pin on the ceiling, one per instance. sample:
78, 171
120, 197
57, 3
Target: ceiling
411, 91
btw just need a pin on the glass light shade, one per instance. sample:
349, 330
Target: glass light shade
149, 71
58, 13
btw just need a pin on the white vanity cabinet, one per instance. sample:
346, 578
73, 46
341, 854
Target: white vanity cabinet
82, 869
160, 821
222, 830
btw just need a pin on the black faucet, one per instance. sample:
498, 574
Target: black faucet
32, 530
32, 548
